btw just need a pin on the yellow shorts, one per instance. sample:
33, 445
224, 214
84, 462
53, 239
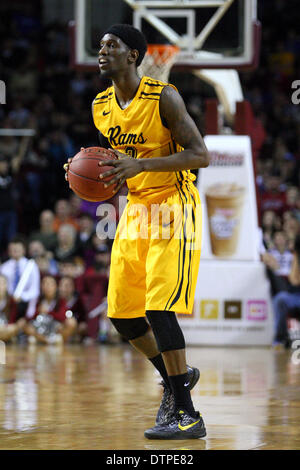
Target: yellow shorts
155, 256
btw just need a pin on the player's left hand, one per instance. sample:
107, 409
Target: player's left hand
125, 167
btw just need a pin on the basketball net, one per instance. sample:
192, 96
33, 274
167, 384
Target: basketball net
158, 61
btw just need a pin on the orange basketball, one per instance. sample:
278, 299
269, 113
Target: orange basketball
84, 171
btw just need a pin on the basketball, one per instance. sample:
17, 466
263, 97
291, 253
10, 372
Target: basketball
84, 171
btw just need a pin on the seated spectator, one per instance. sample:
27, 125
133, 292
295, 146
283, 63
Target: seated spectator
46, 234
37, 251
278, 261
8, 144
287, 302
18, 270
31, 182
66, 243
8, 215
79, 84
9, 167
291, 228
52, 322
292, 194
101, 257
19, 115
287, 215
288, 169
270, 223
35, 248
105, 331
10, 327
75, 204
281, 60
72, 267
273, 198
45, 266
60, 147
67, 292
296, 209
281, 254
85, 237
63, 215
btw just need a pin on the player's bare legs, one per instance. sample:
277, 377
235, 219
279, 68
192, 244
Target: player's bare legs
175, 361
146, 344
167, 363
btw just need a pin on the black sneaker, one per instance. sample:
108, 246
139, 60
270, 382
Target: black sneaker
167, 405
181, 426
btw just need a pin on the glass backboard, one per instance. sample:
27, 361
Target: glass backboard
209, 33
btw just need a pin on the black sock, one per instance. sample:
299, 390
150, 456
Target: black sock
182, 394
159, 365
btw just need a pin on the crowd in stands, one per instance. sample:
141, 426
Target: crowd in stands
41, 220
55, 278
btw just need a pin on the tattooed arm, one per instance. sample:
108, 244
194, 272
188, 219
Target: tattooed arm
184, 131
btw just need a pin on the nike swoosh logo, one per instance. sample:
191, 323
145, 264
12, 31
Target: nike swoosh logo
187, 384
188, 426
105, 114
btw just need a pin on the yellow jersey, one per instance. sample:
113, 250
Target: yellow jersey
139, 132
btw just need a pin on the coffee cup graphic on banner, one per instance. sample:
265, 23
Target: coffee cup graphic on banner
224, 203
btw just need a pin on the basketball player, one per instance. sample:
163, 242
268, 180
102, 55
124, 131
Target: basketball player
146, 124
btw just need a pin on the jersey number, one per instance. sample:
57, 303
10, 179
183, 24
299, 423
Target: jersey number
131, 151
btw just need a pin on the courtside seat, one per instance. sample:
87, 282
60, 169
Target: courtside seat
93, 289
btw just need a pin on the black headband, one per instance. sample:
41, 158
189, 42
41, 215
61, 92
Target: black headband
132, 37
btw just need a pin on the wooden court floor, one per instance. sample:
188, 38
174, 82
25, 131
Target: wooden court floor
104, 397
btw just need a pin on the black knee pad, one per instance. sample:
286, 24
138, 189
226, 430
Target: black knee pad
166, 330
130, 328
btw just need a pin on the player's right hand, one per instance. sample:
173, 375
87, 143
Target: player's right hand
66, 165
66, 168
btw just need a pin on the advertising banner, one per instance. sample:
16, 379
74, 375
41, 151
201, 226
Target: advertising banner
227, 191
232, 301
232, 305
